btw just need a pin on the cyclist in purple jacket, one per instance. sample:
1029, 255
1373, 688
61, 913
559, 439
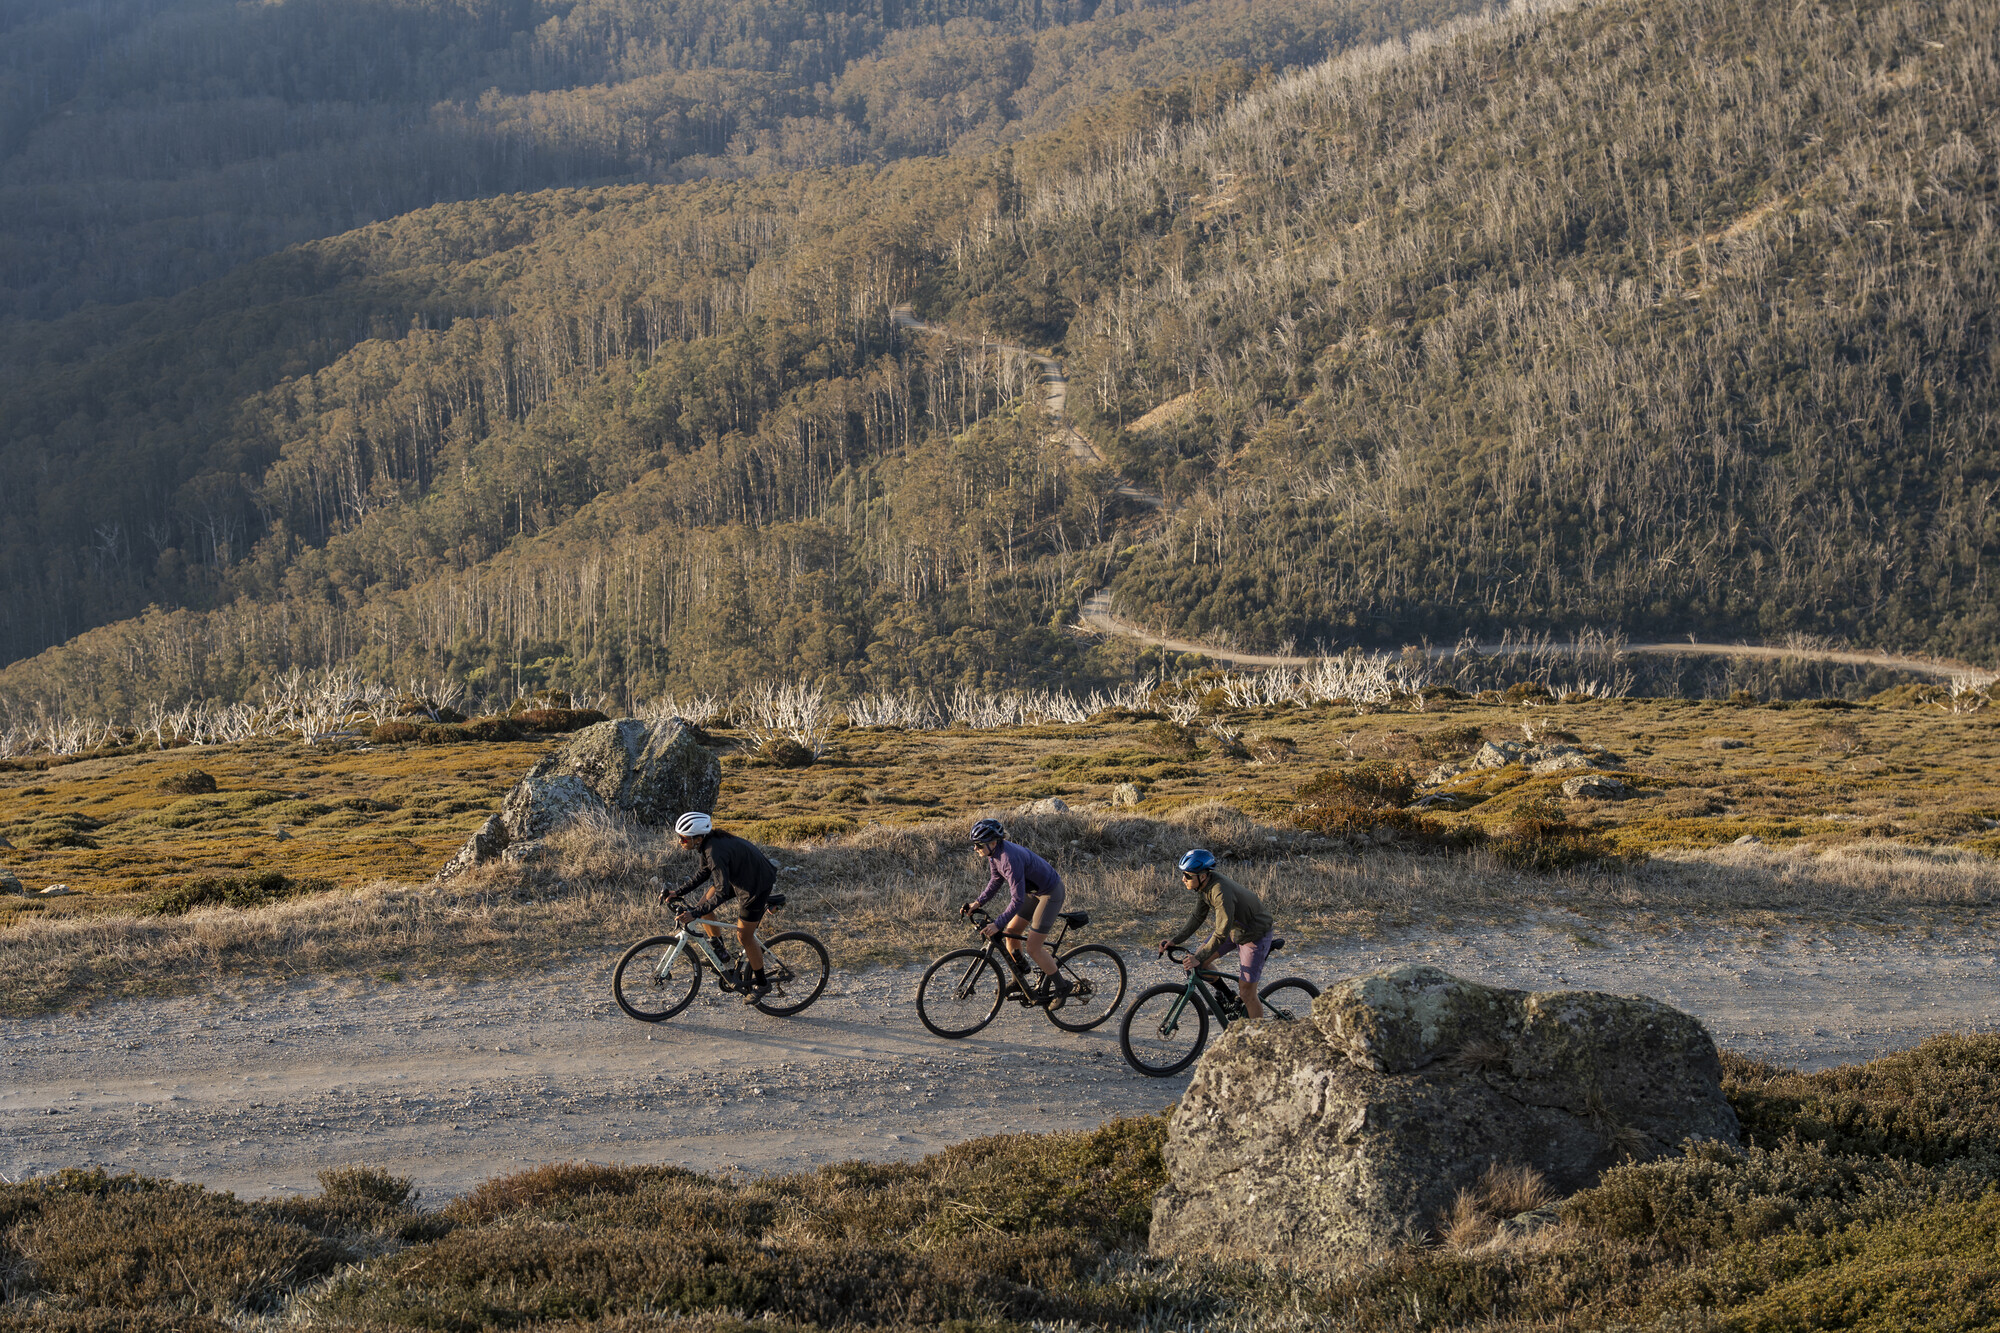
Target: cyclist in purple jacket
1035, 896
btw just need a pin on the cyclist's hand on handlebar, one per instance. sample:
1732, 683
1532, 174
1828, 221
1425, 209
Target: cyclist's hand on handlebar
1164, 946
965, 909
990, 929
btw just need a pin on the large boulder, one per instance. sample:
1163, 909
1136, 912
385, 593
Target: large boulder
1330, 1140
648, 772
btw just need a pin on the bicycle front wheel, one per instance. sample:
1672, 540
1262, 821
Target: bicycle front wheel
960, 994
650, 987
1161, 1034
1289, 999
797, 966
1098, 974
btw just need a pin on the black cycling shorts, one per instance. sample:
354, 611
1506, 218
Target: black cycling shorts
754, 905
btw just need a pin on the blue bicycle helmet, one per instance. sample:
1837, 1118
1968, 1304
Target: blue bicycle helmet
1197, 860
986, 830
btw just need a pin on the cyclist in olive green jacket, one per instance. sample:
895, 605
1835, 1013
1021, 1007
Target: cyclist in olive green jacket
1241, 919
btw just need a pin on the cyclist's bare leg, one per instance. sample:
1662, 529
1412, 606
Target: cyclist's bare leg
746, 935
1035, 943
1251, 1004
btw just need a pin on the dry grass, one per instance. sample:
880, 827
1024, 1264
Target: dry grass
890, 894
870, 837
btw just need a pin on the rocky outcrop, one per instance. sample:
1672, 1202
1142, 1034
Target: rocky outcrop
1329, 1140
648, 772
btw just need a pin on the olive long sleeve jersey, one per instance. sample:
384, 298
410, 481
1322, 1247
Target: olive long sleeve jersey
1240, 916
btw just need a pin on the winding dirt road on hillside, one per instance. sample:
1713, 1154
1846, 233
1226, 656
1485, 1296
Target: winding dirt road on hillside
254, 1089
1097, 615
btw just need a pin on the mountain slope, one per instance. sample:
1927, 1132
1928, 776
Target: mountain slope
1654, 320
1670, 319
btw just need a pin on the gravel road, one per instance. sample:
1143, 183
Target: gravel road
254, 1090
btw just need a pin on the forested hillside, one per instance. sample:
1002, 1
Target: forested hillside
1616, 316
149, 144
1677, 319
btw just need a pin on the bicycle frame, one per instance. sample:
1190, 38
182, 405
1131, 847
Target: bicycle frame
1197, 993
703, 944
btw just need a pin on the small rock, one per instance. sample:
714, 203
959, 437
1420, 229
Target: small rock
57, 891
281, 835
5, 843
524, 853
1438, 800
1556, 759
1749, 840
1724, 743
1498, 754
10, 883
1048, 805
1596, 788
1126, 793
1445, 773
1521, 1226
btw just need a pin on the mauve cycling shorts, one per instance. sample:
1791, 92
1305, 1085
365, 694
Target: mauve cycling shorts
1250, 958
1042, 909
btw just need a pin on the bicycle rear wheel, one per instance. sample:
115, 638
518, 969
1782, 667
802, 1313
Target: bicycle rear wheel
1291, 998
647, 987
1098, 974
960, 994
1157, 1040
797, 966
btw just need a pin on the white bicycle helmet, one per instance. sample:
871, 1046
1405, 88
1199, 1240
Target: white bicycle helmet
693, 824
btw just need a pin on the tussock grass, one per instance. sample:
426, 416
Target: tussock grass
891, 893
871, 836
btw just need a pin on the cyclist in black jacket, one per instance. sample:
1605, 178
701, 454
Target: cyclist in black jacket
736, 867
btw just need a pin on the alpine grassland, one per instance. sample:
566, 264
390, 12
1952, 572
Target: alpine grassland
297, 857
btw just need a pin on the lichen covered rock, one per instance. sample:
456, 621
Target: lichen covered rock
648, 772
1329, 1140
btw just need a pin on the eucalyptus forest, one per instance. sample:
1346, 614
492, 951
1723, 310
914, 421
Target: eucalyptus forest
552, 345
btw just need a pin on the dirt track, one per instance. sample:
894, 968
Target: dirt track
451, 1084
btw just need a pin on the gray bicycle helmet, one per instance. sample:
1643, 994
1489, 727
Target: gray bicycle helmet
987, 830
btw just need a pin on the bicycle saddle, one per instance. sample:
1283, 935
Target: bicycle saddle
778, 900
1075, 920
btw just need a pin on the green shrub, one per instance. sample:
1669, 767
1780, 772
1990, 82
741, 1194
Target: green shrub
1541, 838
1355, 799
784, 752
127, 1242
795, 828
242, 891
496, 729
558, 720
48, 832
1935, 1103
1172, 740
423, 733
1450, 742
194, 782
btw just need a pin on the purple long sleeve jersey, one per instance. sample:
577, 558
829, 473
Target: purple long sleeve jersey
1018, 868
